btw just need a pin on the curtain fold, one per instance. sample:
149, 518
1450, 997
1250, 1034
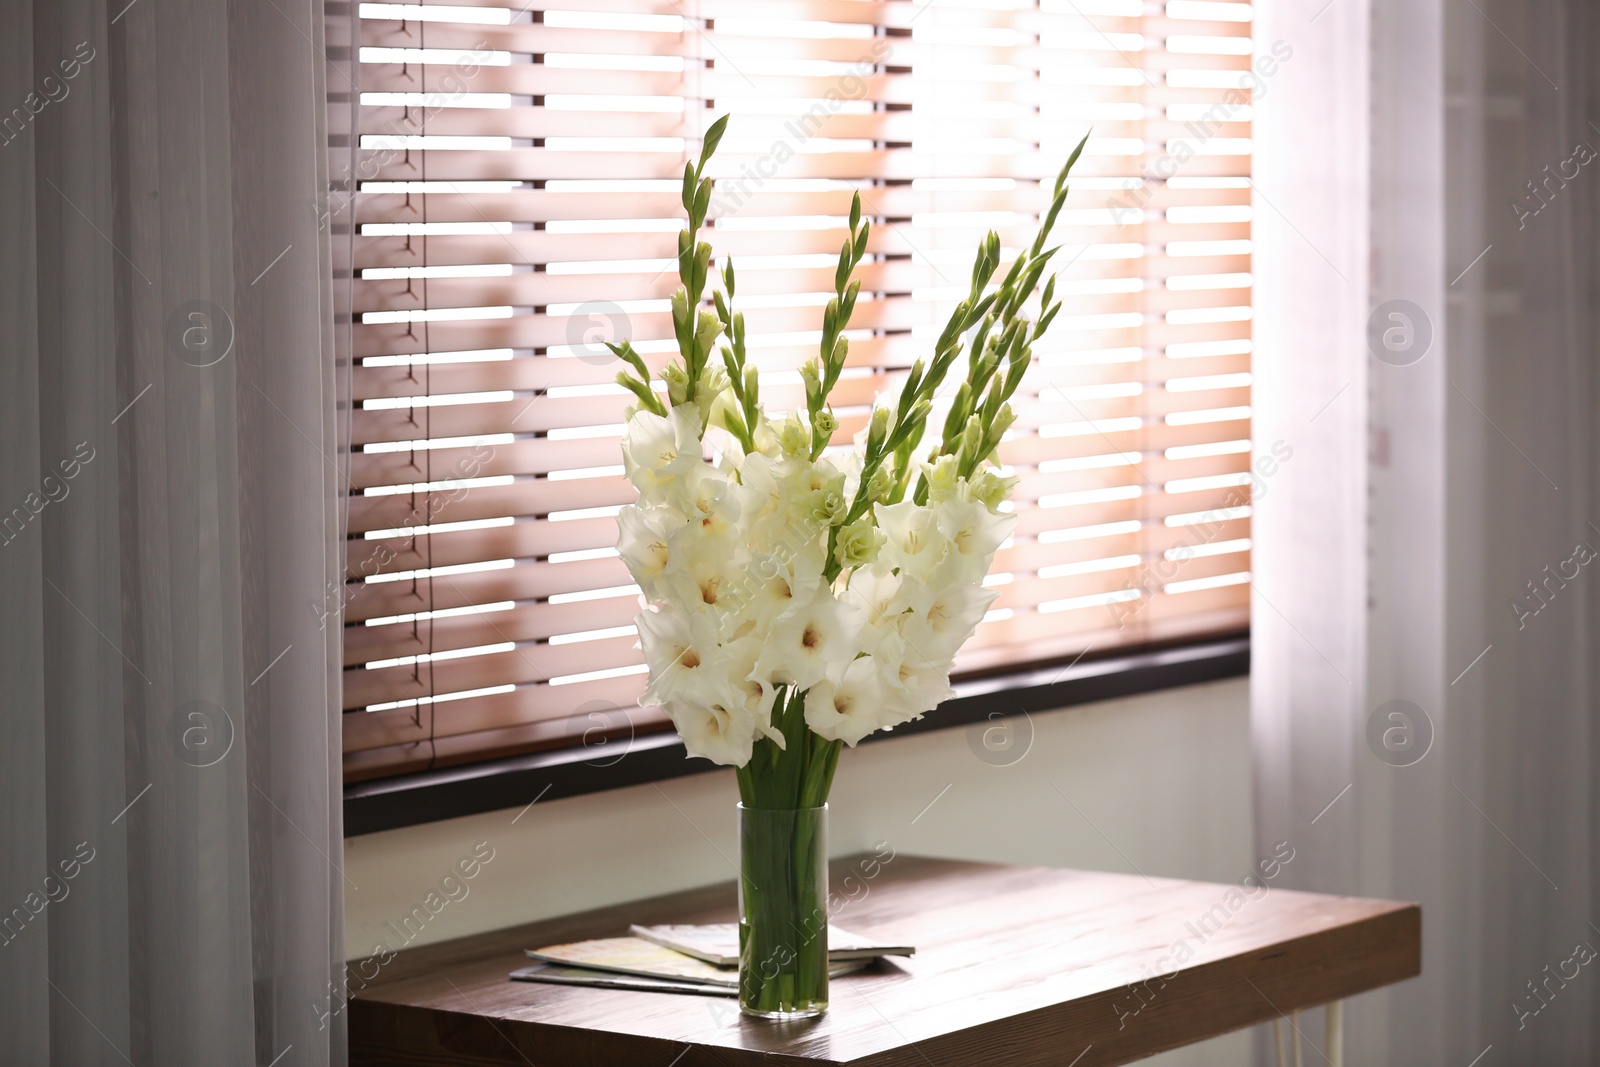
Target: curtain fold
169, 534
1423, 696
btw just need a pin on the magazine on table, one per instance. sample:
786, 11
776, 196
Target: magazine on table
718, 943
559, 974
599, 961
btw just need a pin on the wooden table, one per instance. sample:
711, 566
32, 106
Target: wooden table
1015, 965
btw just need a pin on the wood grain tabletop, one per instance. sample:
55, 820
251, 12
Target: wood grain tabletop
1014, 965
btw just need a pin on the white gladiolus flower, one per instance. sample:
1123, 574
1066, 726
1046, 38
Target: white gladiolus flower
718, 733
874, 592
852, 707
913, 691
817, 492
806, 640
772, 584
973, 533
933, 635
885, 644
710, 500
884, 600
914, 542
701, 572
681, 650
657, 451
767, 512
758, 695
644, 541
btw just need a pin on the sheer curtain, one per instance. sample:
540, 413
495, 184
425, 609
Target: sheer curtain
170, 891
1425, 217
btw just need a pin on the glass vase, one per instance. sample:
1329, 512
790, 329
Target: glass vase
783, 912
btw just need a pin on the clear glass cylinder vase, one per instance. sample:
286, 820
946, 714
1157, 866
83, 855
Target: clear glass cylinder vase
783, 912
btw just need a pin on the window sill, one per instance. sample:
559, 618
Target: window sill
391, 803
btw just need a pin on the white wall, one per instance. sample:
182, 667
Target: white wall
1160, 782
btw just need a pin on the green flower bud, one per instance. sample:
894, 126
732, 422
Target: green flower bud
677, 380
880, 485
825, 507
792, 437
991, 489
972, 437
1003, 421
877, 429
811, 374
707, 328
825, 423
944, 475
713, 383
857, 544
715, 400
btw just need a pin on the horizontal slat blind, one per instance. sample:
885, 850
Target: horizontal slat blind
518, 204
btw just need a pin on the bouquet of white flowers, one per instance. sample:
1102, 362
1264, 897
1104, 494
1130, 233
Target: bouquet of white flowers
803, 593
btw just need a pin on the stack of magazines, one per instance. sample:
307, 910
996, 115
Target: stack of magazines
679, 959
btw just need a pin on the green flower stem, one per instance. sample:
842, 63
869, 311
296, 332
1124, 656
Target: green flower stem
834, 349
800, 774
694, 260
783, 944
783, 954
986, 398
783, 858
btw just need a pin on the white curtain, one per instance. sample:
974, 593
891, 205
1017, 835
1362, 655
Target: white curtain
169, 534
1425, 342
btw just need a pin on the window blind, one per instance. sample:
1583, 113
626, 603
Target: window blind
517, 204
